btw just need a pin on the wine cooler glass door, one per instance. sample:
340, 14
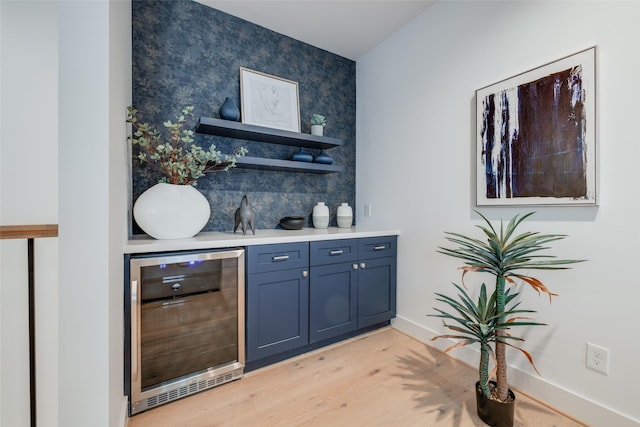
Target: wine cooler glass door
187, 321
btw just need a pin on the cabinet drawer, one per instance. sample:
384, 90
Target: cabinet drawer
333, 251
264, 258
377, 247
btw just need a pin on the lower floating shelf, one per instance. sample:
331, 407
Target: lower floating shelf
285, 165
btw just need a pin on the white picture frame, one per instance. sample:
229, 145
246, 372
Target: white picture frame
269, 101
536, 136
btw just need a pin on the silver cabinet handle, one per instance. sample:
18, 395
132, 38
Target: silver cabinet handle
280, 258
362, 265
336, 252
355, 266
305, 273
379, 248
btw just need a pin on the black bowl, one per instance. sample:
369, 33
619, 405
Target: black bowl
293, 222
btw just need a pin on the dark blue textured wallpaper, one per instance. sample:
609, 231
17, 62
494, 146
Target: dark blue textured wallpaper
185, 53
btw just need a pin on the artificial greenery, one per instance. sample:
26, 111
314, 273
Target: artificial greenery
505, 255
318, 120
174, 154
480, 322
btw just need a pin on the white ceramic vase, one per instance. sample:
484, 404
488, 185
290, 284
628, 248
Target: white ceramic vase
169, 211
317, 130
320, 215
345, 215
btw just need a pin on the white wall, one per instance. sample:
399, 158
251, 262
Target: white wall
95, 64
28, 195
119, 197
416, 121
66, 71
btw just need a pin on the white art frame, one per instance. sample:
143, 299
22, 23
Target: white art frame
536, 136
269, 101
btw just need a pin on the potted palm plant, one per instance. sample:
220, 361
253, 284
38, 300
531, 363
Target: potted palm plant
508, 256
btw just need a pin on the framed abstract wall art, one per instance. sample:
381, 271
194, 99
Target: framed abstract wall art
536, 139
269, 101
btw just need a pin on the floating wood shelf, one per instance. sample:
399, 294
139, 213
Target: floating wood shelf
285, 165
230, 129
237, 130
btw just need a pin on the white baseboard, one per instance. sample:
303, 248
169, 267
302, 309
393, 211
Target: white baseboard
566, 401
124, 412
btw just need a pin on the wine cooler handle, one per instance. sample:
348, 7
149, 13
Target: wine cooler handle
135, 330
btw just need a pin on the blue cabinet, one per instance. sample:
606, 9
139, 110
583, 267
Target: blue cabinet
302, 296
376, 291
333, 298
277, 299
376, 280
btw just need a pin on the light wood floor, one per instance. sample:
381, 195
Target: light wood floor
381, 379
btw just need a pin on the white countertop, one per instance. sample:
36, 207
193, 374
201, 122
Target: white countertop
227, 239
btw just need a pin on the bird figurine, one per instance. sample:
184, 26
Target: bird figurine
246, 216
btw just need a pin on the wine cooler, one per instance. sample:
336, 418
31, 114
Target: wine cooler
184, 318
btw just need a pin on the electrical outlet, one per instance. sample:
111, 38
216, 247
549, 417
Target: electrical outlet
598, 358
367, 209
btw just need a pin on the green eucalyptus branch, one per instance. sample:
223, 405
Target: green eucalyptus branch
176, 156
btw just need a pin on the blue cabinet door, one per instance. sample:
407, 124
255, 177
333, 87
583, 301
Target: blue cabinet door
332, 300
277, 312
376, 291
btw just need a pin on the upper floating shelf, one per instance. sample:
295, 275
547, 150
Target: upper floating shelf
230, 129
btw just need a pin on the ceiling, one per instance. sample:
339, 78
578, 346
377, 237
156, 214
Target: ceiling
348, 28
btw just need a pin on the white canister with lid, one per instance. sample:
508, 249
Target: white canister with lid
320, 215
345, 215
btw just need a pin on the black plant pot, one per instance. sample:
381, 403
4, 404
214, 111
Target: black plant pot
493, 412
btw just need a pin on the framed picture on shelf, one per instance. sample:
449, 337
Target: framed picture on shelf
269, 101
536, 139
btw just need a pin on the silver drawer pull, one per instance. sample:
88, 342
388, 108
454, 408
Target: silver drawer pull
336, 252
280, 258
379, 248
